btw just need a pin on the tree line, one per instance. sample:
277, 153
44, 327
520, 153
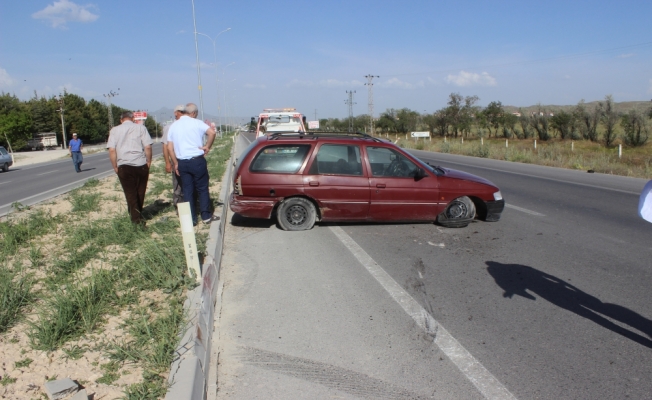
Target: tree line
462, 117
21, 120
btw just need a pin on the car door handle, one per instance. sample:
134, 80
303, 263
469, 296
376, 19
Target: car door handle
380, 185
313, 183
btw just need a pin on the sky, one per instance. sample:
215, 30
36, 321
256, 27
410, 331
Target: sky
308, 54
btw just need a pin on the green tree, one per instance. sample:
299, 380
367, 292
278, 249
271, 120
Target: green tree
44, 114
17, 126
635, 128
153, 128
509, 125
563, 123
460, 112
541, 123
609, 119
387, 123
406, 120
587, 121
493, 116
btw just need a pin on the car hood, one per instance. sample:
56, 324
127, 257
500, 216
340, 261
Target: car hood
457, 174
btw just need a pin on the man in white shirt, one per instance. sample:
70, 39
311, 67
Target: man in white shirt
187, 150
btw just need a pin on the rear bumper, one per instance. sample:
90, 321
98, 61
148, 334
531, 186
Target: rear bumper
494, 210
252, 207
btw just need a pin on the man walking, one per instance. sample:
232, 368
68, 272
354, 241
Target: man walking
177, 190
130, 152
75, 147
187, 150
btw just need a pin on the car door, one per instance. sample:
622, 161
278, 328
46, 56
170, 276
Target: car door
337, 180
397, 193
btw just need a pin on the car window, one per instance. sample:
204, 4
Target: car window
390, 163
337, 159
280, 159
3, 151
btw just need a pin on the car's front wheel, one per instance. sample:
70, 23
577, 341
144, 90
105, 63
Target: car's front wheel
5, 167
458, 214
296, 214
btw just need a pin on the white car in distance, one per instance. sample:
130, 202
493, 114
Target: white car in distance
279, 120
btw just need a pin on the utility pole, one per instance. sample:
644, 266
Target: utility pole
350, 103
108, 99
371, 101
201, 99
63, 125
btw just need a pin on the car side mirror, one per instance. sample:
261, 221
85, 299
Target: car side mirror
419, 174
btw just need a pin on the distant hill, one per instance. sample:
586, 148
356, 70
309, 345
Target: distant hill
622, 107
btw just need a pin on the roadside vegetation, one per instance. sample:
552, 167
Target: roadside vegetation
584, 136
87, 295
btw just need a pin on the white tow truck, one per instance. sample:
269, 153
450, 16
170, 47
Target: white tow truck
279, 120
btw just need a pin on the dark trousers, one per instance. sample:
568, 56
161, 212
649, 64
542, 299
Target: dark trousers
194, 178
134, 184
77, 160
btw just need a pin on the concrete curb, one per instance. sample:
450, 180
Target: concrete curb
191, 367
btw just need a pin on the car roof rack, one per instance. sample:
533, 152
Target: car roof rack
316, 135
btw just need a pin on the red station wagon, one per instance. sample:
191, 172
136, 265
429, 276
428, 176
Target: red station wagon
302, 178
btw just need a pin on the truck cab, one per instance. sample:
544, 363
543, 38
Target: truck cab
280, 120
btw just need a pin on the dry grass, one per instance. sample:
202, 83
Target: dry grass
581, 155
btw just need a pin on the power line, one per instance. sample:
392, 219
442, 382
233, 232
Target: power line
538, 60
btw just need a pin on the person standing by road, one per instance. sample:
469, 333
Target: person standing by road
187, 150
130, 152
177, 190
75, 147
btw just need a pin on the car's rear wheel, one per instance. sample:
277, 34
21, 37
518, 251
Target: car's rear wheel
5, 167
458, 214
296, 214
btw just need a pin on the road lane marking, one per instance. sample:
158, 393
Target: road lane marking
2, 183
45, 173
482, 379
525, 210
539, 177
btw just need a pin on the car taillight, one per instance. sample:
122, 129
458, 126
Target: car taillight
237, 186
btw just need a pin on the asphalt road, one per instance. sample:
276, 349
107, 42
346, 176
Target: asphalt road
34, 183
552, 301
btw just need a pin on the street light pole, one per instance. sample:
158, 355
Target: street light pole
217, 75
63, 125
201, 100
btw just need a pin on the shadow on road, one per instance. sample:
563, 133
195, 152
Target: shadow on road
238, 220
518, 279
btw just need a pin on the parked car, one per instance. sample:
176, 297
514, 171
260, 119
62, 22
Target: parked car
303, 178
5, 159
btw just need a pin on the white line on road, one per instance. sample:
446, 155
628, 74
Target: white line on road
525, 210
45, 173
2, 183
482, 379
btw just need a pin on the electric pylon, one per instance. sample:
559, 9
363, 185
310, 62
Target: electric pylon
108, 99
350, 103
371, 101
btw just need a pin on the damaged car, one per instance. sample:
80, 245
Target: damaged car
302, 178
